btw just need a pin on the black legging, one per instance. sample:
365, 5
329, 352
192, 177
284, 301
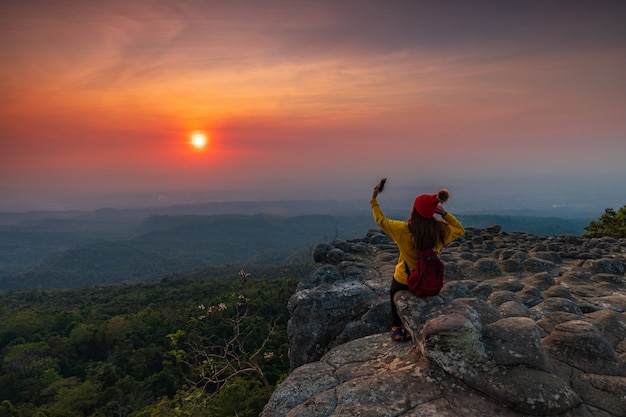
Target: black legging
393, 289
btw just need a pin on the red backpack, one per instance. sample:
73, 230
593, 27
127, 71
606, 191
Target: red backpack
426, 279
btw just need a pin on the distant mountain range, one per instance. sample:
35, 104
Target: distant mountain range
70, 249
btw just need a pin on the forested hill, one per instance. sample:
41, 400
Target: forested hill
71, 253
105, 247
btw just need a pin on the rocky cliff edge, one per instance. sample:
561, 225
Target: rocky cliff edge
525, 325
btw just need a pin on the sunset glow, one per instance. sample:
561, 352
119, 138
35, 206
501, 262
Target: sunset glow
305, 99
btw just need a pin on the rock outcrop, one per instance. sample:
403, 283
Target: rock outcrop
525, 325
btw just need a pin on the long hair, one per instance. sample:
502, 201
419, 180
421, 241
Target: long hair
427, 233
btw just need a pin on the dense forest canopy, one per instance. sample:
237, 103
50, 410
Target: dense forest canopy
108, 351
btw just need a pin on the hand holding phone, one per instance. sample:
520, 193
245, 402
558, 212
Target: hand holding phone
381, 185
379, 188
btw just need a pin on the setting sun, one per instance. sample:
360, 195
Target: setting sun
198, 140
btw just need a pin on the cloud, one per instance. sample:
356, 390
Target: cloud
307, 91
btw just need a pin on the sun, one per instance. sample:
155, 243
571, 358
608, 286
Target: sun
198, 140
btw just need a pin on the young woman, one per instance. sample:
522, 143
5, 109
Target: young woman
422, 231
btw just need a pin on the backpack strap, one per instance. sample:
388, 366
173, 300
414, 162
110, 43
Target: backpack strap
420, 255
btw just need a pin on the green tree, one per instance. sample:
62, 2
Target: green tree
7, 409
241, 397
611, 223
76, 401
227, 347
27, 323
26, 369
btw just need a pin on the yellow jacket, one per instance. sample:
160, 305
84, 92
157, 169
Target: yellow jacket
398, 230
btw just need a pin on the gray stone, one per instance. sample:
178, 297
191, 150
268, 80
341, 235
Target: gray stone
506, 283
335, 255
530, 391
512, 265
558, 291
451, 339
453, 271
516, 341
468, 256
514, 308
612, 325
303, 383
321, 252
537, 265
354, 271
498, 297
481, 291
605, 266
614, 279
580, 344
549, 321
323, 274
375, 320
487, 313
553, 257
541, 281
530, 296
488, 267
318, 315
544, 336
602, 391
359, 247
457, 289
551, 305
379, 238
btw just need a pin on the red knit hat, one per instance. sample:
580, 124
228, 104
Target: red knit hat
426, 204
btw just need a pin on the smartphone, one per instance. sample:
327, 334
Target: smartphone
381, 185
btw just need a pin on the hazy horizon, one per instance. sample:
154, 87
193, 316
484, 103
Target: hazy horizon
532, 198
508, 104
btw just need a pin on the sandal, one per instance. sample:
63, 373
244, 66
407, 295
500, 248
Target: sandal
399, 334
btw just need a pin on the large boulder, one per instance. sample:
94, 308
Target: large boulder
333, 305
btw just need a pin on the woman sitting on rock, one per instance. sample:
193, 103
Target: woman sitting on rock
423, 231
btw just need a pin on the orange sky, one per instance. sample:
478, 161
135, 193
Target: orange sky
304, 99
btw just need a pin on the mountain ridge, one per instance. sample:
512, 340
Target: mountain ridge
104, 248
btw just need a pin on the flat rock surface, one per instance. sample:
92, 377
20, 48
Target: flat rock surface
525, 325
